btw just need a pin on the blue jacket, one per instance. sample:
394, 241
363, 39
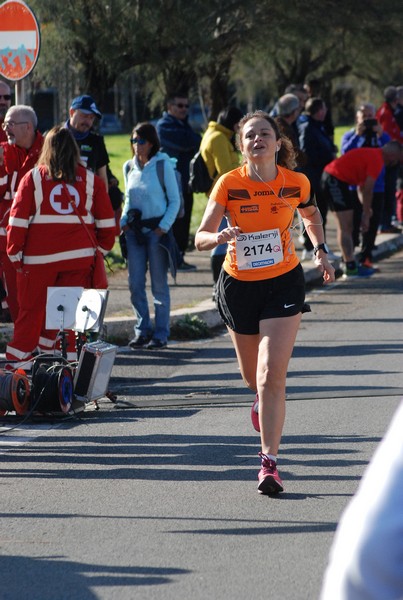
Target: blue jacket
144, 192
178, 140
318, 148
351, 140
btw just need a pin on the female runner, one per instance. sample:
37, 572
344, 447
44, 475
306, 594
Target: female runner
261, 289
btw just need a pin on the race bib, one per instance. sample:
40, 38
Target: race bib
259, 249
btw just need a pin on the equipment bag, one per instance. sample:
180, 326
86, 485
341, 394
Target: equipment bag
199, 178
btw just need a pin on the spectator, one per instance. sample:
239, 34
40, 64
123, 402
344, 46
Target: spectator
83, 113
46, 241
359, 167
386, 113
399, 187
296, 90
314, 89
18, 155
179, 141
367, 133
148, 214
366, 556
289, 109
5, 103
319, 151
386, 117
220, 155
399, 109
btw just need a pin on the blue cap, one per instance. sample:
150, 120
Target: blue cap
87, 105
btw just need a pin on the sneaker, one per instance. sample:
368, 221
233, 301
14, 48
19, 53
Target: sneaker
358, 271
390, 229
367, 262
254, 413
269, 479
184, 266
156, 345
139, 341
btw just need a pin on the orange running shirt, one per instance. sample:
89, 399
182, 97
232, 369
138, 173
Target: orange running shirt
258, 206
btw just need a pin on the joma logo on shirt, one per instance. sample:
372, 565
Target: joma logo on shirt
250, 209
263, 193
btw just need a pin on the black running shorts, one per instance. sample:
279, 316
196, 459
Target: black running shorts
243, 304
337, 193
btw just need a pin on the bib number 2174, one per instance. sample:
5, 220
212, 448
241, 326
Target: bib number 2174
259, 249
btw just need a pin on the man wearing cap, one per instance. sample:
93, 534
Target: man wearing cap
83, 112
18, 155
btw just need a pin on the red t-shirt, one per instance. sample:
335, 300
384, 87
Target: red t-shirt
356, 165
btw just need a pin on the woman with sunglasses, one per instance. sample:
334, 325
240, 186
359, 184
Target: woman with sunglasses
261, 291
149, 212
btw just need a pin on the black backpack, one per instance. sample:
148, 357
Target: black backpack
199, 178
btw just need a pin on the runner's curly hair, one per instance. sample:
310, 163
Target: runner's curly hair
286, 156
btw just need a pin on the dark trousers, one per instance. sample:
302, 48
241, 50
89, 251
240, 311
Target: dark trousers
389, 207
368, 238
323, 207
181, 227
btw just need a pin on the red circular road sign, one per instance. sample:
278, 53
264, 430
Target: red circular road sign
19, 40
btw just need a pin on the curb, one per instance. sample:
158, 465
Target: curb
122, 327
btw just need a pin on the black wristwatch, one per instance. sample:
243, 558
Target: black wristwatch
323, 247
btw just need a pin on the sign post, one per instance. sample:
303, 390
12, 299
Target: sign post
20, 42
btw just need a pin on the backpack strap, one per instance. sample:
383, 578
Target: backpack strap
128, 168
160, 173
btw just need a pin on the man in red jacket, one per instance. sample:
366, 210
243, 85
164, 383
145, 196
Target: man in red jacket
386, 117
18, 156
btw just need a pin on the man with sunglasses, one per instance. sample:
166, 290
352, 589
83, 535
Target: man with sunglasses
179, 141
18, 155
5, 103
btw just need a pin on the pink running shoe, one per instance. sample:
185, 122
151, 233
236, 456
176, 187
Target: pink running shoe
269, 479
254, 413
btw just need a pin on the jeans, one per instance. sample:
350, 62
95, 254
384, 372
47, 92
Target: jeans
140, 258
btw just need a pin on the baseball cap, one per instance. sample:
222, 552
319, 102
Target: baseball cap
86, 104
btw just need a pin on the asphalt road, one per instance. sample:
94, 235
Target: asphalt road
159, 500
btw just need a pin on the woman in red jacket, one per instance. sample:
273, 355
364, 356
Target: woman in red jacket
48, 243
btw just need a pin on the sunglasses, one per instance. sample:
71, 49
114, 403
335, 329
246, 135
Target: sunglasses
181, 105
139, 141
5, 96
